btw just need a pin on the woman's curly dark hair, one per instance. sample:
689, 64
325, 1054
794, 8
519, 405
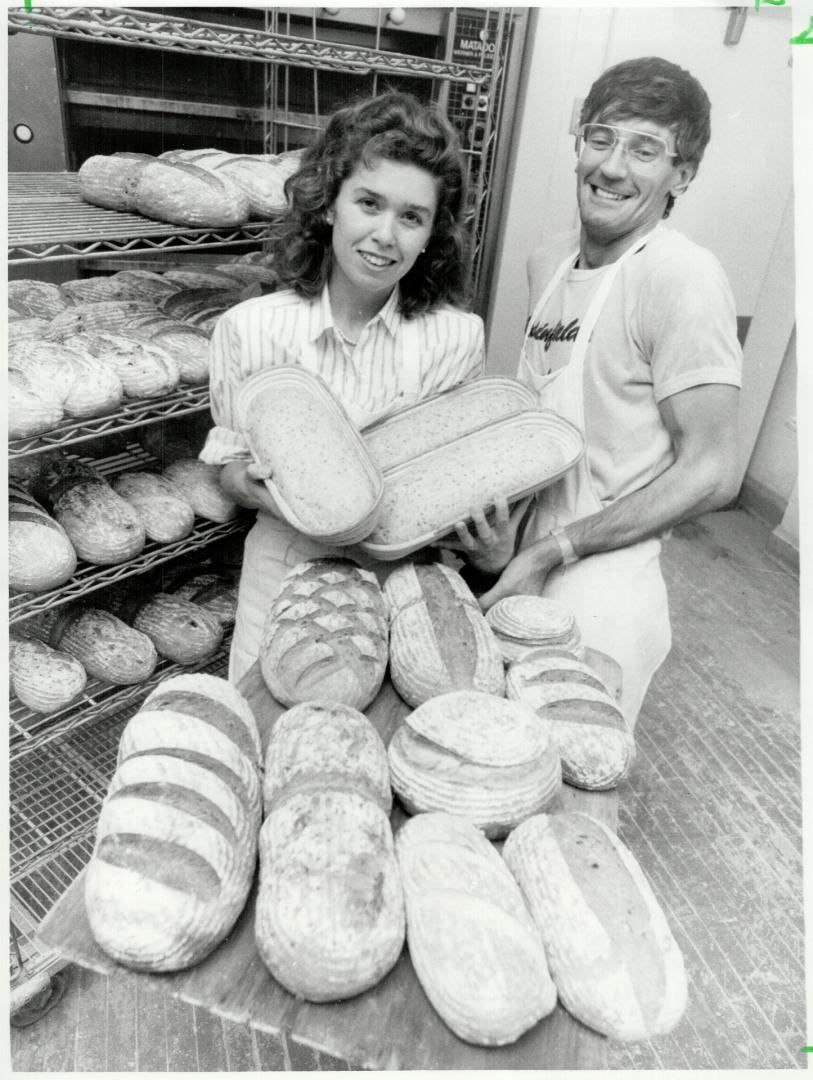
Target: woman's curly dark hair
397, 127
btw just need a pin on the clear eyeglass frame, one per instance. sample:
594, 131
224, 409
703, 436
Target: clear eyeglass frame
643, 147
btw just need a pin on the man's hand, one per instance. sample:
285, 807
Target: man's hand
526, 574
491, 546
244, 481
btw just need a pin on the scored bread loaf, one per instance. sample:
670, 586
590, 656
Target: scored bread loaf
97, 316
199, 484
32, 408
187, 344
615, 963
165, 515
525, 623
594, 740
176, 844
215, 593
142, 285
110, 180
184, 194
24, 327
475, 949
89, 290
325, 635
439, 638
330, 914
40, 553
180, 629
44, 679
47, 365
84, 384
145, 369
489, 760
262, 182
106, 646
40, 299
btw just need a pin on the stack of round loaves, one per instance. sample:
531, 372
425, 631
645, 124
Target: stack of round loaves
330, 912
524, 623
176, 844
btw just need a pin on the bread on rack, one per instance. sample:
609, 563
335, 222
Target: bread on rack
216, 593
110, 180
184, 194
44, 679
106, 646
145, 370
32, 409
90, 290
187, 344
165, 515
47, 365
40, 553
181, 630
168, 441
94, 316
23, 327
199, 484
176, 844
263, 183
142, 285
41, 299
86, 386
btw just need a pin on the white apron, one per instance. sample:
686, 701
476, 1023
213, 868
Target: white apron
272, 546
618, 597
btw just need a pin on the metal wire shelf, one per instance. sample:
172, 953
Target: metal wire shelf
147, 29
48, 220
131, 414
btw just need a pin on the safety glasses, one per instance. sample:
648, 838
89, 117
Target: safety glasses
644, 148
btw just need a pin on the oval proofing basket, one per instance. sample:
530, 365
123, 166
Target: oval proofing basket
324, 481
513, 457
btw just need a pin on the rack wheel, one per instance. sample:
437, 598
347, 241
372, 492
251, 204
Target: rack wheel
44, 998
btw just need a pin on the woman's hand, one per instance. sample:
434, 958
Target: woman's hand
244, 481
491, 546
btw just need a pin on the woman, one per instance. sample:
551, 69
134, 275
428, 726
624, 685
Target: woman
371, 250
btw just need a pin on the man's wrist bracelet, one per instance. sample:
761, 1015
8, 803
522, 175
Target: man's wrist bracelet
565, 547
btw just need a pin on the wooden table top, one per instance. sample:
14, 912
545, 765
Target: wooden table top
391, 1026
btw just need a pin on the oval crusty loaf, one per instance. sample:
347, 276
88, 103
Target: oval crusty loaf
98, 316
325, 635
489, 760
199, 484
187, 344
47, 365
32, 409
89, 290
25, 327
595, 743
262, 182
216, 593
176, 844
40, 553
179, 629
439, 638
44, 679
321, 744
183, 194
165, 515
142, 285
40, 299
523, 623
106, 646
110, 180
612, 956
145, 369
472, 942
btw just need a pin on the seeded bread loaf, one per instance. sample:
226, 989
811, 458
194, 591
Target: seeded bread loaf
473, 944
594, 740
184, 194
439, 638
180, 630
489, 760
215, 593
176, 844
615, 963
199, 485
40, 553
144, 369
325, 635
84, 384
188, 345
110, 180
165, 515
44, 679
330, 913
106, 646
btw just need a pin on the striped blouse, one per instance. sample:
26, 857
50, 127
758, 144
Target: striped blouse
396, 362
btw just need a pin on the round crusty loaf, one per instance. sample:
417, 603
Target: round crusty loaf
40, 553
44, 679
180, 630
110, 180
107, 647
325, 635
489, 760
165, 515
176, 844
611, 953
184, 194
473, 944
439, 638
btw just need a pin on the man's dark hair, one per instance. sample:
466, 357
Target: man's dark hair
655, 89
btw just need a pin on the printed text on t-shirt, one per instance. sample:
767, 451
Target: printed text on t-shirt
560, 332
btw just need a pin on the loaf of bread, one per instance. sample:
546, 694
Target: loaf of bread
475, 949
176, 844
425, 497
489, 760
107, 647
44, 679
445, 417
525, 623
169, 441
439, 638
40, 299
262, 182
40, 553
195, 305
187, 344
180, 630
165, 515
594, 740
105, 316
322, 476
199, 484
111, 180
215, 593
184, 194
84, 385
91, 289
615, 963
330, 912
144, 369
211, 278
47, 365
24, 327
103, 528
32, 408
143, 285
325, 635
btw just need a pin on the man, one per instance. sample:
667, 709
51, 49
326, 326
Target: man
632, 338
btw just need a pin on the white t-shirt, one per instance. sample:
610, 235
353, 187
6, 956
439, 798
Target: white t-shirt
668, 324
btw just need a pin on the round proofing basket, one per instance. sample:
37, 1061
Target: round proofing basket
269, 386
